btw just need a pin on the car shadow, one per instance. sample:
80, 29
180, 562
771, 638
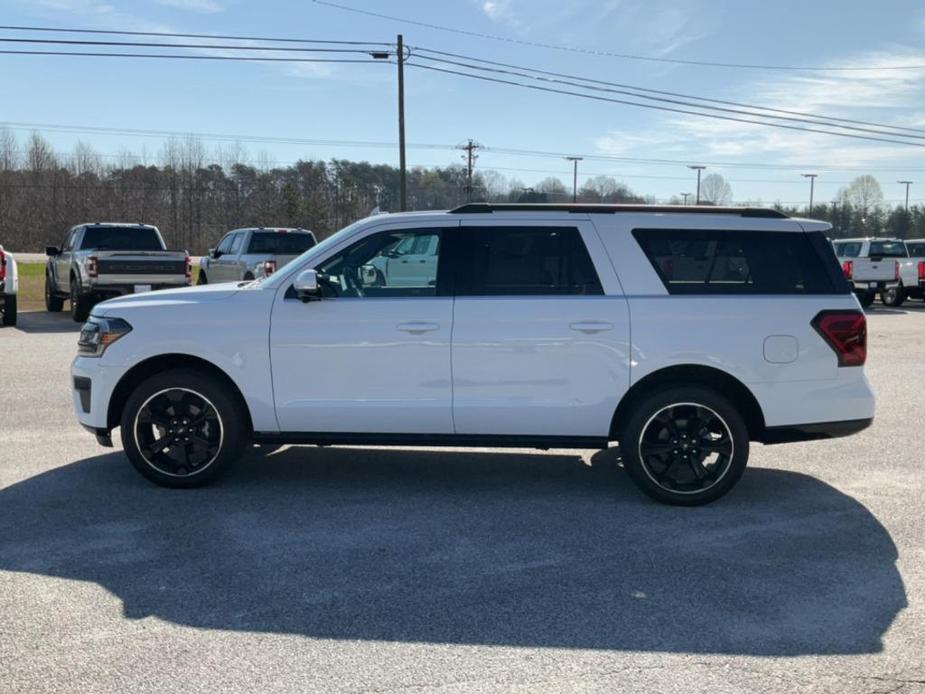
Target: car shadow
468, 548
45, 322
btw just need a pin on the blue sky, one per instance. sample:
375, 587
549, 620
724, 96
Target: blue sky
357, 102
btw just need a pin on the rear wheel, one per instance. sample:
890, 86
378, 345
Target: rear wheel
182, 428
53, 303
202, 278
893, 297
866, 298
248, 277
9, 310
80, 305
686, 446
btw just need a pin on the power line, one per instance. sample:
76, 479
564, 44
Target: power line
420, 49
177, 56
670, 109
610, 54
191, 36
149, 44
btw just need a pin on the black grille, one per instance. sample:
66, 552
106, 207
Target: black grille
141, 267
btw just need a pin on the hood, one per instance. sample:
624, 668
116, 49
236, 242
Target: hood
168, 297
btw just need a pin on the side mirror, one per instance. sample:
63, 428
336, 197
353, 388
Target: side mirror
52, 251
306, 286
214, 253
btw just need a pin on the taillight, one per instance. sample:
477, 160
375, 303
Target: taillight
848, 268
269, 267
2, 265
846, 333
896, 273
922, 271
92, 266
189, 269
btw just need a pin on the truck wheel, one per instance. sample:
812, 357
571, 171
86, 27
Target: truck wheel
248, 277
80, 305
866, 298
202, 278
893, 297
9, 310
685, 446
182, 428
53, 303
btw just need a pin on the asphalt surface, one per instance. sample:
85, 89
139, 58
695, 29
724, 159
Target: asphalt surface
358, 569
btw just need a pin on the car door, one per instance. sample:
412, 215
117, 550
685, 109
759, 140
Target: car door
540, 332
370, 356
220, 269
64, 260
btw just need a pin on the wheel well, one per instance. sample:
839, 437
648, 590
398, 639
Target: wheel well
143, 370
688, 375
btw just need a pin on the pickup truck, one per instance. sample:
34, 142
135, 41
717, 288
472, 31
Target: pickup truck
871, 265
249, 254
912, 275
9, 287
104, 260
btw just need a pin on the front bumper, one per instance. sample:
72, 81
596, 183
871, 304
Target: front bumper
92, 385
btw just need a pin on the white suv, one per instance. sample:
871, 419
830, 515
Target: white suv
681, 333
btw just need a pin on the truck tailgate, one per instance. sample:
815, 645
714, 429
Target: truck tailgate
874, 270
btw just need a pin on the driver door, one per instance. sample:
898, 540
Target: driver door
373, 354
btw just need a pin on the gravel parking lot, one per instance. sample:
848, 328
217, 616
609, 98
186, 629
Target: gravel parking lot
358, 569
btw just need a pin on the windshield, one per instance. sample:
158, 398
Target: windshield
887, 249
121, 239
277, 278
280, 242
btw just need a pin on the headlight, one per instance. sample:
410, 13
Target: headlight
98, 333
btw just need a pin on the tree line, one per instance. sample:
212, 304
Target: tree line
194, 195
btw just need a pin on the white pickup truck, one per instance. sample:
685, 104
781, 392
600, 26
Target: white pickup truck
9, 287
911, 273
871, 265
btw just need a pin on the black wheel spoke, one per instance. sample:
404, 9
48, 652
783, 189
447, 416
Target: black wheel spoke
160, 444
658, 447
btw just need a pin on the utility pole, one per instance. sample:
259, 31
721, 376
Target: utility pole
685, 196
574, 161
402, 172
812, 188
471, 147
907, 184
698, 168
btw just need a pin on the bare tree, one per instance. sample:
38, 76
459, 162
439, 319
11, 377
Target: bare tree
863, 193
715, 190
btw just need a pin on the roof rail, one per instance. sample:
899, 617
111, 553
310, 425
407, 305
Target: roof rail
487, 207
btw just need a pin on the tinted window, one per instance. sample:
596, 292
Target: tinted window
236, 240
737, 262
848, 249
887, 249
375, 267
916, 250
280, 243
121, 239
510, 261
225, 245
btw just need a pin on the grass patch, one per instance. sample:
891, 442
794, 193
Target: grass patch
32, 286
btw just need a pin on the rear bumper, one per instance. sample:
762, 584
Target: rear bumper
876, 286
814, 432
113, 290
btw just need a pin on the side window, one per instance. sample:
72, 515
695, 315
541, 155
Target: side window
916, 250
848, 249
69, 240
380, 266
524, 261
236, 243
693, 261
225, 245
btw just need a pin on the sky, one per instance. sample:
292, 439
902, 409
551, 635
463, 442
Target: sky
357, 103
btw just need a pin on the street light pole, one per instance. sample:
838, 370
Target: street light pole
685, 196
574, 161
698, 168
812, 186
907, 184
402, 172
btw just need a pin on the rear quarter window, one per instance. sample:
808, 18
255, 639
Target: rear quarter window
690, 261
280, 243
916, 250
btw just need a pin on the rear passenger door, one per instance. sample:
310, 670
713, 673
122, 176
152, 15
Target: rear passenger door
540, 331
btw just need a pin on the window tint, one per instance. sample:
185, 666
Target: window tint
512, 261
848, 249
280, 243
121, 239
375, 267
887, 249
737, 262
916, 250
236, 240
225, 245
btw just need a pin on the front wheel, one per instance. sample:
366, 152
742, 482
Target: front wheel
894, 296
685, 446
182, 428
202, 279
9, 310
80, 305
53, 302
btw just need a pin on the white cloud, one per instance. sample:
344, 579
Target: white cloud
502, 12
202, 6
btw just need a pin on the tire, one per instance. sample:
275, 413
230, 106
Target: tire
207, 450
248, 277
53, 302
202, 279
893, 297
80, 305
9, 311
693, 418
866, 298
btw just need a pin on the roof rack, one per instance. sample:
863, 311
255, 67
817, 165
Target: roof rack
487, 207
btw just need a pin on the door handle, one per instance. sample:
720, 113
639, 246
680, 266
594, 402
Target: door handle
591, 326
418, 327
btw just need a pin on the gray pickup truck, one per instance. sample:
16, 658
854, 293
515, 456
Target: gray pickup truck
249, 254
103, 260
